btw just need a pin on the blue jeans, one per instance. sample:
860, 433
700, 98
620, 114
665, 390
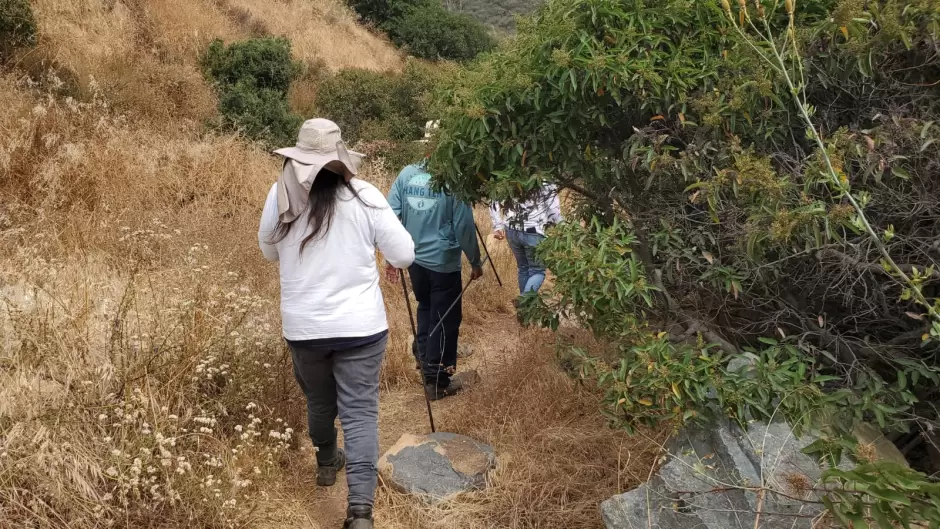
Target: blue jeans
531, 270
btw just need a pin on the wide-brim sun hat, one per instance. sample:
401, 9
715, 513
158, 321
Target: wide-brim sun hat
320, 145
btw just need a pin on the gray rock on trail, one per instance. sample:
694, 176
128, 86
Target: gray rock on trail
712, 478
436, 467
468, 378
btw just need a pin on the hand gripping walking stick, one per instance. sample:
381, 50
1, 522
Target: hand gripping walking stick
414, 333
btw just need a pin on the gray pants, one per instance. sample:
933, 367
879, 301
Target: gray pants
344, 382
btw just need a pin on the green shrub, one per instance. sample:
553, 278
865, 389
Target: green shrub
353, 97
17, 26
264, 62
253, 78
435, 33
730, 182
426, 29
370, 105
379, 12
260, 114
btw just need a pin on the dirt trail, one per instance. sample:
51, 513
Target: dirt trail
558, 458
402, 410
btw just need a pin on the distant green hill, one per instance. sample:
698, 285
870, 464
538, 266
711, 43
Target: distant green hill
497, 13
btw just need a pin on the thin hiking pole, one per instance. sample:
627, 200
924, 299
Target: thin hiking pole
414, 333
454, 304
411, 316
487, 250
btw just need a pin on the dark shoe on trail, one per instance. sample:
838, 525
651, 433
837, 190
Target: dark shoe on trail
326, 474
435, 392
358, 517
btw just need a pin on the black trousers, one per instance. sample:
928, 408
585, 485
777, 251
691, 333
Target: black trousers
435, 293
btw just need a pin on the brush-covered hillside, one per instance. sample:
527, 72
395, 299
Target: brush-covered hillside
499, 14
143, 381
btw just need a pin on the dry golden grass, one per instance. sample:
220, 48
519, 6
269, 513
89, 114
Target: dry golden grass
326, 31
557, 459
133, 334
142, 55
184, 28
113, 50
86, 33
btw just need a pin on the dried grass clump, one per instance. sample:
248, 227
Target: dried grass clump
185, 28
61, 156
326, 31
138, 398
143, 382
113, 50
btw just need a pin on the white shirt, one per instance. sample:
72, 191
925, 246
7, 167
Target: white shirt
332, 289
536, 213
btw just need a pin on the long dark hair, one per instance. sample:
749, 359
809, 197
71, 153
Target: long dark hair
324, 194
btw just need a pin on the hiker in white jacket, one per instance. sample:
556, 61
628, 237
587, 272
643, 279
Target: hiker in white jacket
324, 226
524, 227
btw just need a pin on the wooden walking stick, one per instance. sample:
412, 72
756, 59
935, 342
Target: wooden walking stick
414, 333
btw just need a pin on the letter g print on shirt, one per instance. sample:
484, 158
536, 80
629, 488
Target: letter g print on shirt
421, 197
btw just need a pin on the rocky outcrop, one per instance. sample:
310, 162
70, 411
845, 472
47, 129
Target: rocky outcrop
723, 477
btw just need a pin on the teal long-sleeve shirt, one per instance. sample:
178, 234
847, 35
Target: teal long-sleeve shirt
442, 226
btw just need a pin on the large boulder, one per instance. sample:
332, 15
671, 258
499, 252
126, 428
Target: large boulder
882, 449
720, 477
436, 467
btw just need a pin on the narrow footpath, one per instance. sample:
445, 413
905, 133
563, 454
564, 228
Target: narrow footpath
557, 456
403, 410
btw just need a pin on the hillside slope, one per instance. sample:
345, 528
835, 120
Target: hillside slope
499, 14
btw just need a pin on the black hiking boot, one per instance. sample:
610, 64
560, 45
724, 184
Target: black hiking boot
358, 517
435, 392
326, 474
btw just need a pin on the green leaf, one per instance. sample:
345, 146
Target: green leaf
923, 131
859, 521
879, 513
